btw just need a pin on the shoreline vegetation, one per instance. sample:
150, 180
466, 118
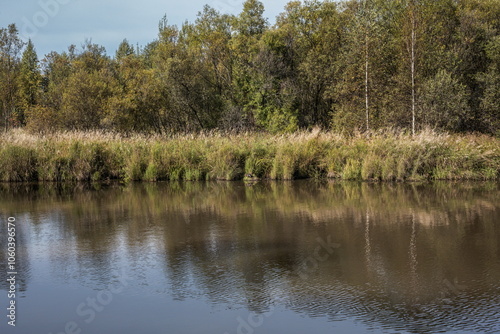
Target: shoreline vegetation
377, 156
234, 97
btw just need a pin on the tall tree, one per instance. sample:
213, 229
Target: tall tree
139, 99
477, 26
364, 26
125, 49
209, 41
490, 81
56, 70
319, 40
409, 22
364, 66
194, 101
87, 89
10, 48
413, 42
249, 28
29, 80
295, 66
351, 64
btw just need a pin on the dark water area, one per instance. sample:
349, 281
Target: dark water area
230, 257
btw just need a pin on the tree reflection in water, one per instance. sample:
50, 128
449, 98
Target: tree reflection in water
415, 257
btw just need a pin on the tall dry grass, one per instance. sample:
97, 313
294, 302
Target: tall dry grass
378, 156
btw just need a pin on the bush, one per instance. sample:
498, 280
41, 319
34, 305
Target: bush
40, 119
437, 109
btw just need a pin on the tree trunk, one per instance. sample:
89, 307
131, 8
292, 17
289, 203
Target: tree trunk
367, 101
413, 70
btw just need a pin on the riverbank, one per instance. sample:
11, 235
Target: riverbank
388, 156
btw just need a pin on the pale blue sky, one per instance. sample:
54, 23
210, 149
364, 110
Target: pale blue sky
55, 24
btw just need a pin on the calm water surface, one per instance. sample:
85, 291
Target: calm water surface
296, 257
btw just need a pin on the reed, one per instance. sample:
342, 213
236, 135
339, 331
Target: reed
380, 156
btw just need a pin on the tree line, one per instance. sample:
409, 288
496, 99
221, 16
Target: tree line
357, 64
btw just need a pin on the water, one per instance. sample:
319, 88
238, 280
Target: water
291, 257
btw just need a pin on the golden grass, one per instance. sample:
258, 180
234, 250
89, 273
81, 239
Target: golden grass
378, 156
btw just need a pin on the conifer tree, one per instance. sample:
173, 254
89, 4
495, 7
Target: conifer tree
29, 80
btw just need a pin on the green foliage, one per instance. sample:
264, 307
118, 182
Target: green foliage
347, 66
125, 49
227, 162
137, 163
284, 164
41, 119
490, 80
18, 164
134, 108
10, 47
62, 161
372, 167
437, 109
29, 81
352, 170
85, 98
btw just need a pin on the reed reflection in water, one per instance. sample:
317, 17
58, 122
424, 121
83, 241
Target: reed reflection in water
417, 258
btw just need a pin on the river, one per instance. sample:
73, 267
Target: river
265, 257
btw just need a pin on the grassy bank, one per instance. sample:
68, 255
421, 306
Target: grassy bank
382, 157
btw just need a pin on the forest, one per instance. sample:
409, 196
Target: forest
357, 65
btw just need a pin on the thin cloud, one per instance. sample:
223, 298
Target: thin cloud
53, 25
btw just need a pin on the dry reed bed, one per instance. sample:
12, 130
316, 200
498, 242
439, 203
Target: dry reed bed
381, 156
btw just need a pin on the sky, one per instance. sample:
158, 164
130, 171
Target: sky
53, 25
